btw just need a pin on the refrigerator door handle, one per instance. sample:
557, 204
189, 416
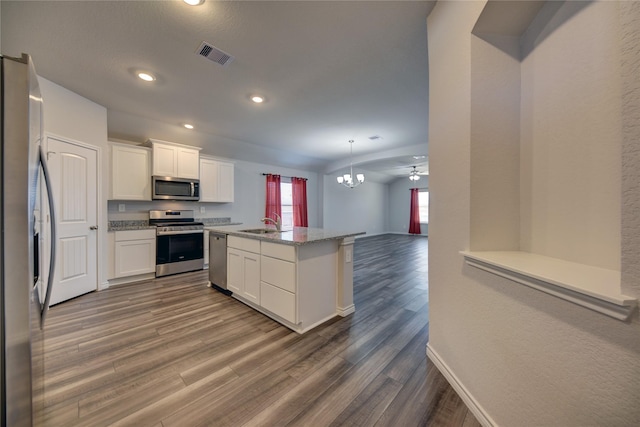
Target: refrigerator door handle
52, 261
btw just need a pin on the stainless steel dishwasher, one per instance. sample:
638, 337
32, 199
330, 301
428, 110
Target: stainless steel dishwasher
218, 261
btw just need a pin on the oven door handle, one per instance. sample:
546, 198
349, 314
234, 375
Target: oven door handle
169, 233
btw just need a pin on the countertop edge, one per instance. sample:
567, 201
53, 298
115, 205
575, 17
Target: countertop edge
277, 237
131, 228
144, 225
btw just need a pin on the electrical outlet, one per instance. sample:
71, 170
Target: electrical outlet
121, 207
348, 255
202, 209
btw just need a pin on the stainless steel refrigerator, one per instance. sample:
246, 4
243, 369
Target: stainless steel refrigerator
23, 292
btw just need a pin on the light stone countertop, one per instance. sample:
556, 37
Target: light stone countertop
143, 224
296, 237
127, 225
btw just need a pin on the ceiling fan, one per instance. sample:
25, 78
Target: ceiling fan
414, 174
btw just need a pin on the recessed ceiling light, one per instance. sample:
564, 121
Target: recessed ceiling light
193, 2
147, 77
419, 157
257, 99
188, 126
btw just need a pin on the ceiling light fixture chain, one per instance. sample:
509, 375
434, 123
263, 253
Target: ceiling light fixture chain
347, 178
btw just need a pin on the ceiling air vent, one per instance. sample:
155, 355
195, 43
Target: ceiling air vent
214, 54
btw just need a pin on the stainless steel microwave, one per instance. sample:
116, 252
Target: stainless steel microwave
169, 188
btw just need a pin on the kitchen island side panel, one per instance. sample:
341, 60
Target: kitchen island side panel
317, 274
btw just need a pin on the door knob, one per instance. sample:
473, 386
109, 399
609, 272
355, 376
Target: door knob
93, 227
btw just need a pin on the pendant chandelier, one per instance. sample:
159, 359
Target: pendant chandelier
413, 175
347, 178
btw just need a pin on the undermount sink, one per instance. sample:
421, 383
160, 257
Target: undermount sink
260, 231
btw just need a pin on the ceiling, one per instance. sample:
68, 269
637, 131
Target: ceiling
331, 71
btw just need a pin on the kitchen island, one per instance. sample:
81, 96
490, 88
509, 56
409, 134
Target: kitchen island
300, 278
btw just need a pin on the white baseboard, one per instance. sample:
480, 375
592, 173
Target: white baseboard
364, 236
344, 312
131, 279
473, 405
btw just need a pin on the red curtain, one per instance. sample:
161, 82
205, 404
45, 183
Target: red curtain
414, 217
299, 194
273, 204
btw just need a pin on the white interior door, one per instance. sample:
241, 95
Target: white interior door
74, 180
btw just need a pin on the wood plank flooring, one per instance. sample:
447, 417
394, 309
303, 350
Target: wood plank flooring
173, 352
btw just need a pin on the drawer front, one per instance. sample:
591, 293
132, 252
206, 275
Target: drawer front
278, 301
125, 235
274, 250
249, 245
278, 273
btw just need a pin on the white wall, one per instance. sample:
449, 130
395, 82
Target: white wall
630, 240
571, 133
400, 204
249, 198
71, 116
330, 205
365, 208
524, 357
495, 145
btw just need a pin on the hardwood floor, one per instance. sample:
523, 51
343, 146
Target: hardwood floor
173, 352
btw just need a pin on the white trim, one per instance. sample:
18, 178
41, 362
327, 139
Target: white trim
361, 236
478, 411
595, 288
401, 233
313, 325
295, 327
130, 279
101, 235
152, 141
344, 312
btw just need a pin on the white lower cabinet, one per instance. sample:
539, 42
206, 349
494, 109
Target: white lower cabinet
278, 286
135, 252
243, 269
295, 285
267, 282
279, 273
278, 301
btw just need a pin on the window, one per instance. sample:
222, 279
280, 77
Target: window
423, 202
286, 202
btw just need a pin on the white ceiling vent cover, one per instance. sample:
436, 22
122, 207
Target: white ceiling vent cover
214, 54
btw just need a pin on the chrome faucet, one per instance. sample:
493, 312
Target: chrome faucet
277, 223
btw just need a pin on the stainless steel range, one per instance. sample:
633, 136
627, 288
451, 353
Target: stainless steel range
179, 242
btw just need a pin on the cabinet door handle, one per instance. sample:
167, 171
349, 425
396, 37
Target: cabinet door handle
93, 227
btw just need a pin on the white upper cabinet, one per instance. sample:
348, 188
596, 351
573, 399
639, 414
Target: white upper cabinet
175, 160
225, 182
187, 165
216, 180
130, 172
165, 160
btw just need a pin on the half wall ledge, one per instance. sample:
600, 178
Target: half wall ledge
592, 287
